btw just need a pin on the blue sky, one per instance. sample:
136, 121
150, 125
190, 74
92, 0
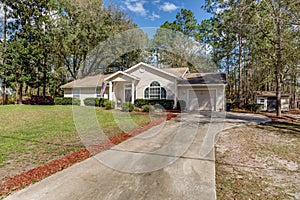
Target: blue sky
153, 13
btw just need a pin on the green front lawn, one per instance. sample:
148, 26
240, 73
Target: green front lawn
33, 135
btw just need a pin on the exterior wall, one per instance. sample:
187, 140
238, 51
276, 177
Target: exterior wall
83, 93
262, 100
285, 104
68, 92
217, 92
150, 75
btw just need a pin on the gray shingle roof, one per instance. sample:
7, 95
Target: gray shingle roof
89, 81
176, 71
270, 94
204, 78
189, 78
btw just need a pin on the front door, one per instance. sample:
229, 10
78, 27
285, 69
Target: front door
271, 103
128, 93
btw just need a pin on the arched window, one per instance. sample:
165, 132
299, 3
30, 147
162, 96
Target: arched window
155, 91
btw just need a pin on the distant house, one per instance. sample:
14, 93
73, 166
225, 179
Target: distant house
8, 90
200, 91
268, 99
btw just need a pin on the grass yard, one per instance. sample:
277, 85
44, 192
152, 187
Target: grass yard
32, 135
259, 162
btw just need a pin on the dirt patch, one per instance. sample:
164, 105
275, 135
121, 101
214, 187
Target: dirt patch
259, 162
289, 116
284, 118
294, 112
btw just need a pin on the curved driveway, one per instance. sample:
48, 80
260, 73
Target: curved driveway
174, 160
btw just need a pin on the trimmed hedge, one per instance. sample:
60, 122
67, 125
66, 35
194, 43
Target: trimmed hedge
147, 108
91, 101
38, 100
109, 105
66, 101
102, 102
165, 103
127, 107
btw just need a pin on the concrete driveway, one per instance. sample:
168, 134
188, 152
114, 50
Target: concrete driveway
174, 160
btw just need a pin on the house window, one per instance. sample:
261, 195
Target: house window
76, 93
98, 92
262, 101
155, 91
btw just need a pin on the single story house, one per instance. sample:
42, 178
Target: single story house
268, 99
200, 91
8, 90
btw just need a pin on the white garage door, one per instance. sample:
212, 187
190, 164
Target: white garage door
202, 100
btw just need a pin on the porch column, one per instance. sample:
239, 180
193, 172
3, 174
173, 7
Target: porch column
175, 93
110, 91
132, 91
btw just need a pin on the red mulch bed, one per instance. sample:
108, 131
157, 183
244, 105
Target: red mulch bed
19, 181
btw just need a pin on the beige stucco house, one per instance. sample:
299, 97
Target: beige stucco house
200, 91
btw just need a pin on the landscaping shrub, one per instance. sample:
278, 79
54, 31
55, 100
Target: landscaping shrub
66, 101
102, 102
147, 108
136, 109
141, 102
37, 100
254, 107
165, 103
91, 101
97, 101
109, 105
127, 107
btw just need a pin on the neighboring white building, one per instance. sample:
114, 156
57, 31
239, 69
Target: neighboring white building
8, 90
268, 100
143, 81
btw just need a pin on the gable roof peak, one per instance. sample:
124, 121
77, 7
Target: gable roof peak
153, 68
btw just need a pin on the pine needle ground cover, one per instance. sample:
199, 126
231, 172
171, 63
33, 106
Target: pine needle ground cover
259, 162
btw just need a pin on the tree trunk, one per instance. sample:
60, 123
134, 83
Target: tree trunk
3, 86
278, 63
3, 90
44, 80
247, 91
20, 93
228, 73
294, 105
239, 100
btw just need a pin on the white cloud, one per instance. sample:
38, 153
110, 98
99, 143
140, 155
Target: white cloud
154, 16
168, 7
156, 1
1, 11
136, 7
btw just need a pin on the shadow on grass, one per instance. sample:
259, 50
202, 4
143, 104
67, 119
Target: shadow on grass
290, 128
